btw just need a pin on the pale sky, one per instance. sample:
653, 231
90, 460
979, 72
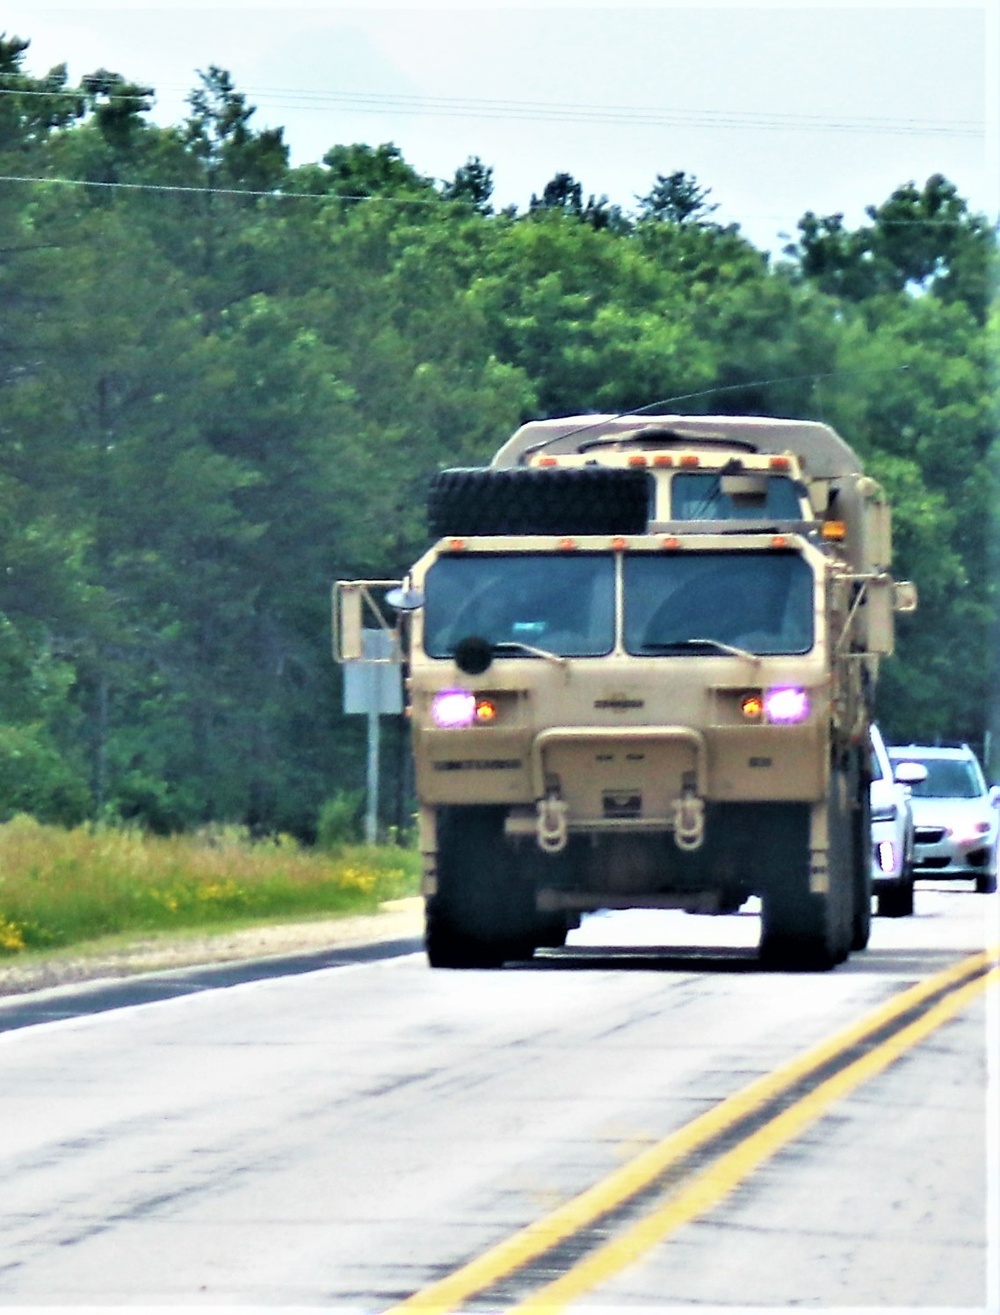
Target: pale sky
777, 108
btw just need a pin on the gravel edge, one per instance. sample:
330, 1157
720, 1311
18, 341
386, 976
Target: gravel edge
395, 919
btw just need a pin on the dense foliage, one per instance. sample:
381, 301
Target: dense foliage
225, 382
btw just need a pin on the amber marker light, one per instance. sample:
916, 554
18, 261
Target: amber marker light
670, 543
457, 545
619, 544
566, 545
664, 459
549, 461
780, 463
486, 711
638, 460
752, 707
689, 459
836, 531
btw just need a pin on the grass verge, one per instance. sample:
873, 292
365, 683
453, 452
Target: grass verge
63, 888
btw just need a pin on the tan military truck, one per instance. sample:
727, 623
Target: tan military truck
640, 659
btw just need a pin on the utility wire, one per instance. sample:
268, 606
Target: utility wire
282, 194
571, 112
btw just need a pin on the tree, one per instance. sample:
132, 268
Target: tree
473, 183
677, 198
564, 195
920, 239
218, 134
361, 172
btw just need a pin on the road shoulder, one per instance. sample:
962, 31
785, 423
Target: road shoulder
395, 919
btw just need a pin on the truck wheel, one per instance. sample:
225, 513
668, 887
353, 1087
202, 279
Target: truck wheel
481, 914
799, 932
447, 947
807, 932
526, 500
896, 901
861, 919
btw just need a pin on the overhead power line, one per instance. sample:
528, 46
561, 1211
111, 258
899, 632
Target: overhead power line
285, 194
628, 115
577, 112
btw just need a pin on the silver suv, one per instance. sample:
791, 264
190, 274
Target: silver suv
956, 815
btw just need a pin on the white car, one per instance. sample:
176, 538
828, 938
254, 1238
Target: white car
955, 815
892, 830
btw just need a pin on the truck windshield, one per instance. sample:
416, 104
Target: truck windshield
699, 602
698, 495
563, 604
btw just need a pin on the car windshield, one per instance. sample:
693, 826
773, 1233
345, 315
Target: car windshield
563, 604
698, 495
947, 778
693, 601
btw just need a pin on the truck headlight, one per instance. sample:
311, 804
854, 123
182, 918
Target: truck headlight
452, 708
785, 705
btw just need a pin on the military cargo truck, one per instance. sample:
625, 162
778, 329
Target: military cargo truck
640, 659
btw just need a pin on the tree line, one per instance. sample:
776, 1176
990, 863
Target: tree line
225, 382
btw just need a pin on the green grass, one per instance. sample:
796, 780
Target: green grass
61, 888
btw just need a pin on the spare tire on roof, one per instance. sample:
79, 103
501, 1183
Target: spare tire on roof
529, 500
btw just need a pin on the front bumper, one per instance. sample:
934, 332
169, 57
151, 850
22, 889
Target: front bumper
945, 859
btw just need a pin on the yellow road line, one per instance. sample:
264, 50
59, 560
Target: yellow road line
716, 1182
576, 1214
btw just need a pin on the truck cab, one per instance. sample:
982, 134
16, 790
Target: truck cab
640, 661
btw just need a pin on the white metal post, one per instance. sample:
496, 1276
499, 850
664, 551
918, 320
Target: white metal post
371, 813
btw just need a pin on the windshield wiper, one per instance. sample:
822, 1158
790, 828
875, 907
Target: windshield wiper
716, 645
474, 653
516, 646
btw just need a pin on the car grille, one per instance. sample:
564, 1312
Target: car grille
928, 835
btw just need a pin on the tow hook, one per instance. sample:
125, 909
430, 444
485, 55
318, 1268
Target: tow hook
689, 822
552, 828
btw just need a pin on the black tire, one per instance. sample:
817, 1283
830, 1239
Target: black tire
803, 931
799, 931
896, 901
481, 914
861, 922
528, 500
449, 947
986, 883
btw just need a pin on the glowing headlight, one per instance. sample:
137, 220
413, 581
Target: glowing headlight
886, 857
786, 704
452, 708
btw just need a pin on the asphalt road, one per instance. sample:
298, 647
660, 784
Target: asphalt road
644, 1121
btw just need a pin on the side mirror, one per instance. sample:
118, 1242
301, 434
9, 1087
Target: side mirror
348, 605
404, 599
879, 605
995, 796
354, 602
909, 773
904, 597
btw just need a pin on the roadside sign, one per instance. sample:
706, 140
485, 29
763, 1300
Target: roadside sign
373, 684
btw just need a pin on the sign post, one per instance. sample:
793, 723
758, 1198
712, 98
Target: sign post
372, 686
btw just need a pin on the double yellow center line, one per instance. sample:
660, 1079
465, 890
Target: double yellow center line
597, 1234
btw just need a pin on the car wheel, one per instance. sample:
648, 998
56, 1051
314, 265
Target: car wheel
986, 883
